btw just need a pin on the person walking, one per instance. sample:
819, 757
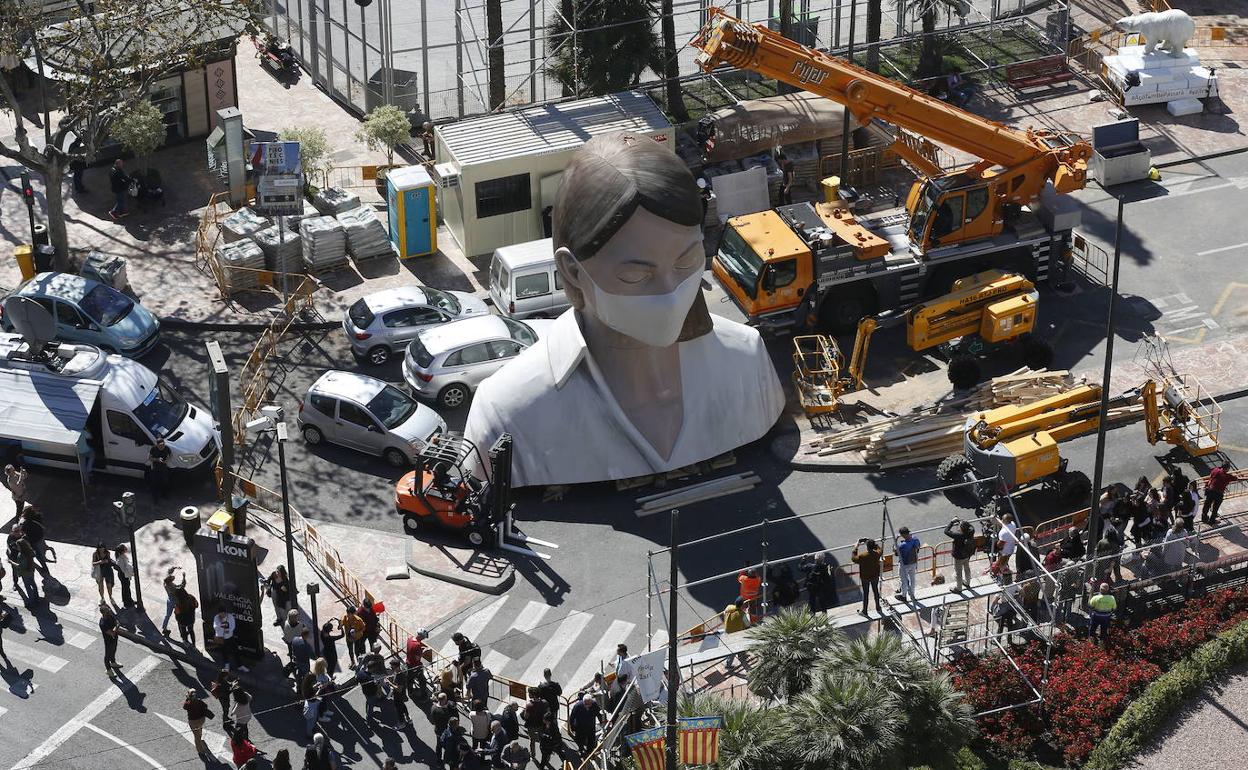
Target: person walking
311, 715
1103, 605
477, 686
583, 719
184, 609
108, 628
532, 715
516, 756
414, 655
399, 683
820, 583
319, 755
15, 478
1007, 542
907, 549
241, 749
372, 684
223, 626
6, 620
498, 741
550, 741
468, 651
119, 184
301, 653
22, 561
33, 529
240, 712
372, 623
353, 629
102, 572
220, 688
550, 690
278, 588
197, 712
1174, 547
440, 714
158, 469
1215, 490
125, 573
867, 555
962, 536
449, 741
171, 585
479, 720
329, 644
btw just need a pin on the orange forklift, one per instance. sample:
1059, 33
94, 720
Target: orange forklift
443, 493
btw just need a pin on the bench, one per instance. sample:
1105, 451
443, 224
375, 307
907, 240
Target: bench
1039, 72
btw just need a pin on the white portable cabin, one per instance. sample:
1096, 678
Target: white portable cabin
496, 174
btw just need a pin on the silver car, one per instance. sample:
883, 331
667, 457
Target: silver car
384, 322
368, 414
447, 362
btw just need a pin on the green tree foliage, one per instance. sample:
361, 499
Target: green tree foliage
314, 151
140, 129
385, 128
793, 641
749, 740
613, 45
98, 63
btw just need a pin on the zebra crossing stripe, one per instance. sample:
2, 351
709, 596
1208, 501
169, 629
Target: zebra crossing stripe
560, 642
603, 650
32, 657
528, 619
473, 625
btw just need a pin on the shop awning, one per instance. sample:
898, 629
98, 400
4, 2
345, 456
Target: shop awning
45, 409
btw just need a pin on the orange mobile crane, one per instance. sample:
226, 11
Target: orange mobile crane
1006, 211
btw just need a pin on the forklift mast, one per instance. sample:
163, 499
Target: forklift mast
500, 476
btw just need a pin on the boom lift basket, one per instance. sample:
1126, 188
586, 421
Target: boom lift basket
816, 373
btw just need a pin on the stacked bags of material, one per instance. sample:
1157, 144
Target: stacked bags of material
240, 254
366, 235
333, 201
242, 224
284, 254
324, 243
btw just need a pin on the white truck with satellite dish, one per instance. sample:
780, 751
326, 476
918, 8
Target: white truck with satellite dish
69, 405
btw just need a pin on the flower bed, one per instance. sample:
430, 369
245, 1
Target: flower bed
1089, 685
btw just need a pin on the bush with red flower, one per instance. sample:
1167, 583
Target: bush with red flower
1088, 685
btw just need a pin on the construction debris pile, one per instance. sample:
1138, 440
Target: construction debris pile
937, 432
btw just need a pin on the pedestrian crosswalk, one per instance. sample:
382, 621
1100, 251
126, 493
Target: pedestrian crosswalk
520, 637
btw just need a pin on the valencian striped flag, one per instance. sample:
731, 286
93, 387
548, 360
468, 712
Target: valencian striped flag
647, 748
699, 740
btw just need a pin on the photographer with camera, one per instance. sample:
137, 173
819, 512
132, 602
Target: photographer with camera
962, 533
867, 554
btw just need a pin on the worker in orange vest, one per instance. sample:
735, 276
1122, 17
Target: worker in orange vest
751, 590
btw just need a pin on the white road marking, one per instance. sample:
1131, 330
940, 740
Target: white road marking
526, 621
210, 738
558, 645
603, 650
89, 712
1222, 249
132, 749
3, 711
474, 624
80, 639
34, 657
659, 639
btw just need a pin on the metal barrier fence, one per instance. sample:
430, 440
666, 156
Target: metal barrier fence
208, 234
257, 369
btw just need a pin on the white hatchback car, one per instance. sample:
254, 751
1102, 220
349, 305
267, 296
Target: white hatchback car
448, 362
368, 414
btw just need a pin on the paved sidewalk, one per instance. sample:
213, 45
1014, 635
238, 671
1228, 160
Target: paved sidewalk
1201, 736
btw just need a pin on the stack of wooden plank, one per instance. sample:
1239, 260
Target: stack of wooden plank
705, 490
936, 432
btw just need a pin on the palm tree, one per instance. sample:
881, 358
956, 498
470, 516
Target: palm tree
937, 721
748, 740
843, 722
498, 65
670, 69
790, 645
875, 19
612, 46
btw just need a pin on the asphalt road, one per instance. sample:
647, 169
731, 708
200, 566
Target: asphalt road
592, 594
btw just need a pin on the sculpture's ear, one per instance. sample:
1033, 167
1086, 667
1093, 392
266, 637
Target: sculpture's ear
572, 275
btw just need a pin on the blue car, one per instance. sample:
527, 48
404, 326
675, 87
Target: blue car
88, 311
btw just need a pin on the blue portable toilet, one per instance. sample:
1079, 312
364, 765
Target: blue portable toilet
413, 211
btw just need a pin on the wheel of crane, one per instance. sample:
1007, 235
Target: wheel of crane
1037, 352
964, 371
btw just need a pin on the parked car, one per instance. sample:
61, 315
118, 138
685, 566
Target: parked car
524, 282
368, 414
90, 312
384, 322
447, 362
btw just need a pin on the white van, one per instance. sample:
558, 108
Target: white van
524, 282
74, 396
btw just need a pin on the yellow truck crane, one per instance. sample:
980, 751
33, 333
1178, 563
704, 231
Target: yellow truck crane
983, 313
1019, 442
1008, 210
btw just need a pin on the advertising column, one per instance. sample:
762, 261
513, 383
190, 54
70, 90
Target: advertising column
229, 577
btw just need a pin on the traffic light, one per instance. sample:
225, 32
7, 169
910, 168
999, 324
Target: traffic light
28, 191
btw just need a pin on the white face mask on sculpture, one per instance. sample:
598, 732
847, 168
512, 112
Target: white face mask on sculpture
654, 319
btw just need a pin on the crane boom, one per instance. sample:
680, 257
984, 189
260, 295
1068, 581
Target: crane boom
1040, 156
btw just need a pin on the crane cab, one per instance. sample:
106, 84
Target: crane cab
951, 209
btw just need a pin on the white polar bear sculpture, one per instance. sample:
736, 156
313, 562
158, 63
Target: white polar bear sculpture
1169, 30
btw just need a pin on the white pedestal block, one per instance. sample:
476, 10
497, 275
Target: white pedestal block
1163, 78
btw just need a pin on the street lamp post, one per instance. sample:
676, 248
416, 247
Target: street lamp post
1094, 509
125, 509
313, 589
290, 548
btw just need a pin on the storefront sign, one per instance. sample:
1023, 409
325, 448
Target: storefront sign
228, 577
